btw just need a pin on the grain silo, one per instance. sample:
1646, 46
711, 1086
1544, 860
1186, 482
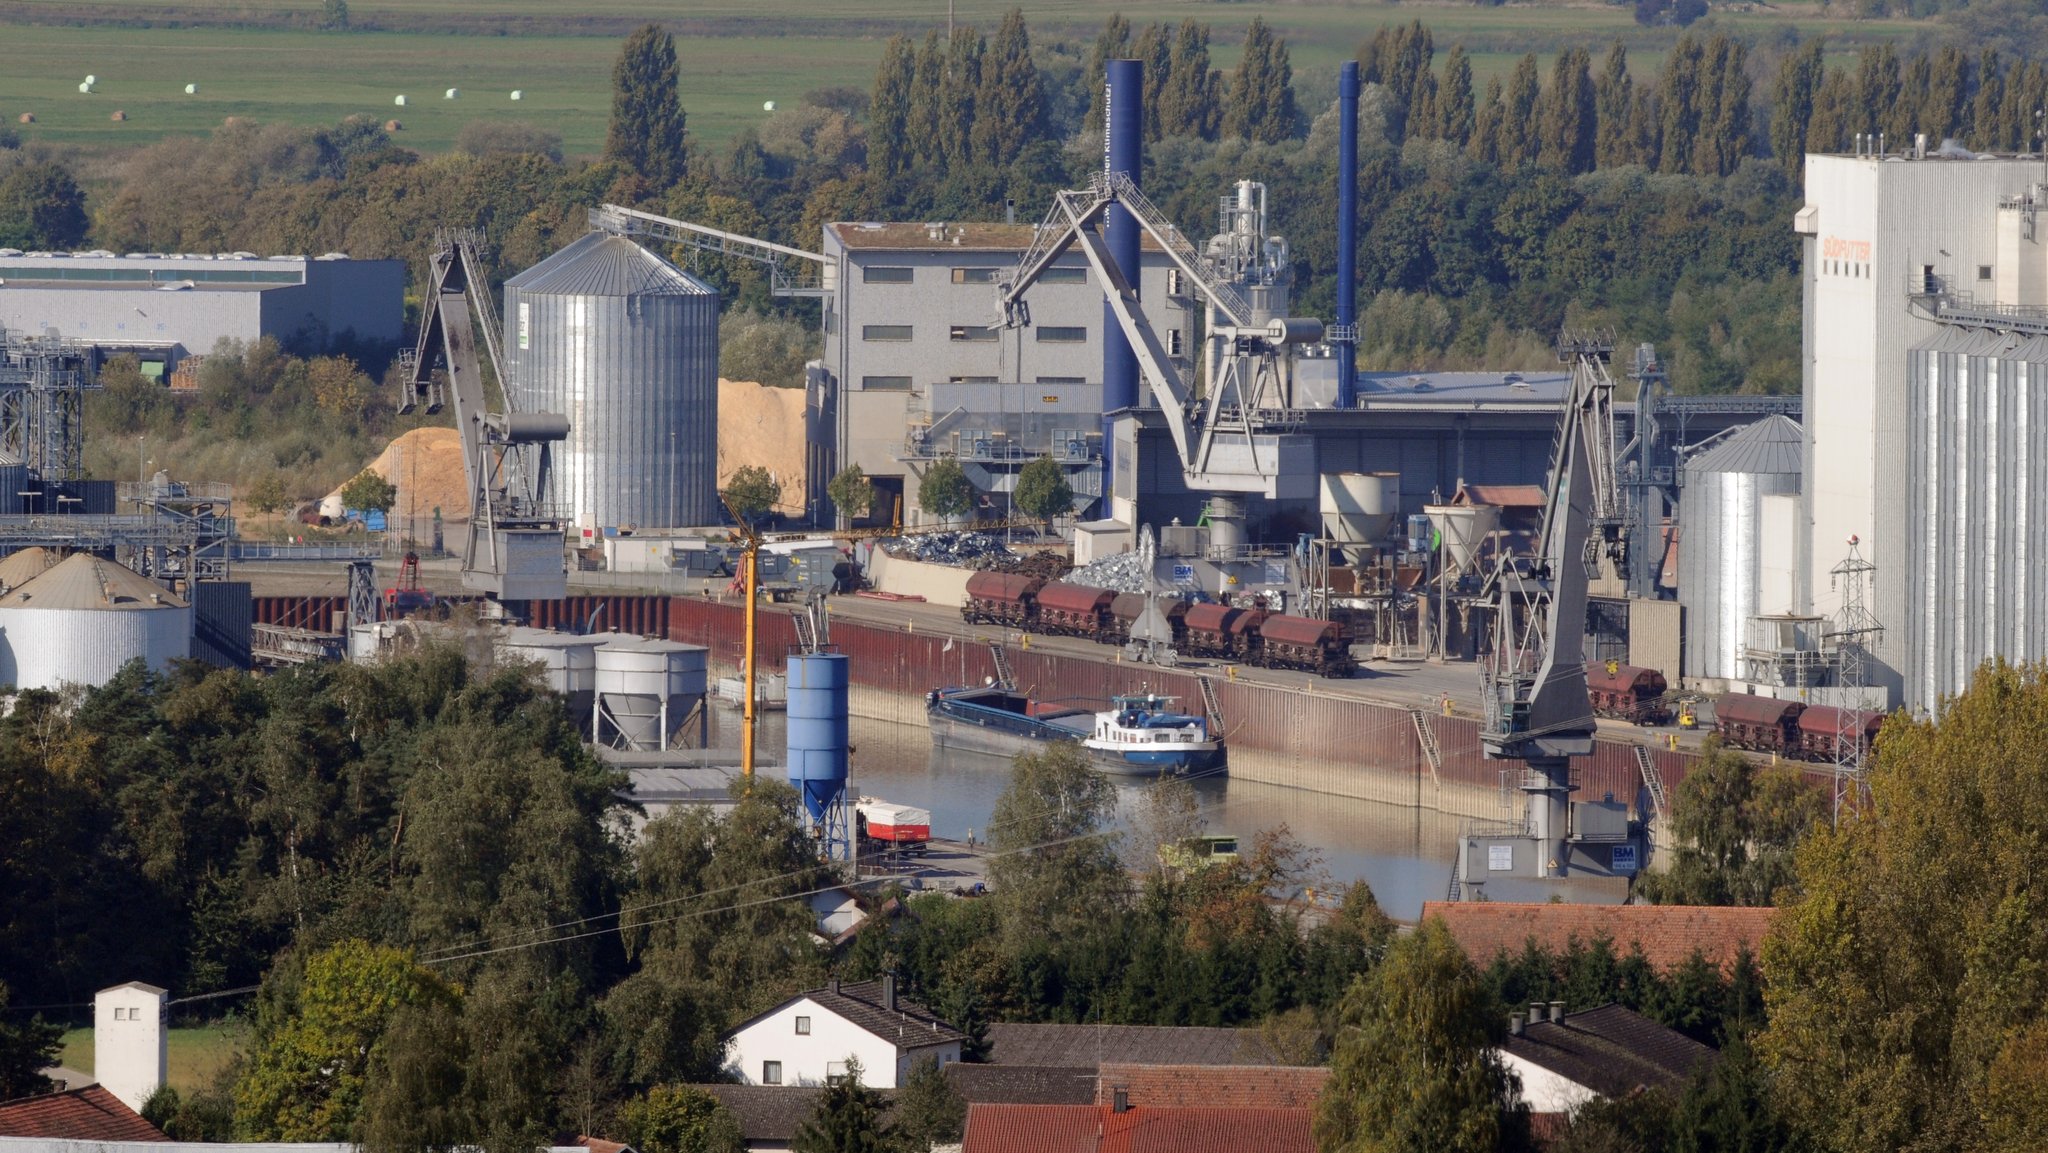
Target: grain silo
1737, 509
626, 344
24, 565
79, 622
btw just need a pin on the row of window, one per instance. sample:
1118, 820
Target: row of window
902, 384
906, 274
121, 1014
977, 333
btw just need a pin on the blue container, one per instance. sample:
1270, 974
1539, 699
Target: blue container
817, 730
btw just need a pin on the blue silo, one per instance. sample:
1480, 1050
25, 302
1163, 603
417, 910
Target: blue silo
817, 751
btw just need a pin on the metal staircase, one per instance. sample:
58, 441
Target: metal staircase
1425, 735
1652, 780
806, 635
1006, 678
1209, 702
1456, 892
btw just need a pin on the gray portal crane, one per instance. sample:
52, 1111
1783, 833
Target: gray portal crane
1534, 679
514, 551
1238, 437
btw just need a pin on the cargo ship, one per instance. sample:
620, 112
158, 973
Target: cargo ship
1138, 735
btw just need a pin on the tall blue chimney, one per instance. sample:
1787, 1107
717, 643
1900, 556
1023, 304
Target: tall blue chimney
1123, 151
1346, 338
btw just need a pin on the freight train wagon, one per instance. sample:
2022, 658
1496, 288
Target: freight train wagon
1070, 610
1764, 724
1629, 693
1822, 727
1320, 647
1223, 632
996, 598
1125, 609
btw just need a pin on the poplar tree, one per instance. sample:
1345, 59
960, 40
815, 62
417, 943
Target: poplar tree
1485, 145
1944, 113
1679, 101
1836, 116
1569, 114
1154, 50
1520, 143
1877, 90
1112, 43
926, 97
1902, 119
1187, 102
1010, 109
1612, 95
1454, 110
1399, 58
648, 122
1262, 89
959, 90
1792, 104
889, 141
1724, 108
1646, 128
1984, 111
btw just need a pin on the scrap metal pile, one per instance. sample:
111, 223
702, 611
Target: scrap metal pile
1123, 573
975, 550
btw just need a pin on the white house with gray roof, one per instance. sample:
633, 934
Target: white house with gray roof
808, 1039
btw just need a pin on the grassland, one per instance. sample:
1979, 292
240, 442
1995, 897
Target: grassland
272, 64
194, 1056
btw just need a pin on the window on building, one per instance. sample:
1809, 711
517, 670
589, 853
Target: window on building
1983, 272
835, 1072
771, 1072
973, 332
1174, 341
885, 332
803, 1026
1074, 275
1176, 282
885, 383
1061, 380
970, 380
974, 276
886, 274
1057, 334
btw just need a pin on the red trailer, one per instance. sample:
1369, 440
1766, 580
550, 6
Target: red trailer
998, 598
1072, 610
1823, 727
1627, 693
1320, 647
1765, 724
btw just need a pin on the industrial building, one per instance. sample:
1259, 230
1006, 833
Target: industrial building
78, 620
1926, 293
167, 307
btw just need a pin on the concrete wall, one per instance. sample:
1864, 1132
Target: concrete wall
940, 584
1545, 1091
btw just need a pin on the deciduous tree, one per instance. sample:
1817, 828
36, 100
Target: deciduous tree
369, 492
1055, 866
945, 492
851, 492
1043, 490
1260, 102
752, 492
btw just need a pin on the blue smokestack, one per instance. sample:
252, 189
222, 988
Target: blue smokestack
817, 730
1123, 150
1347, 236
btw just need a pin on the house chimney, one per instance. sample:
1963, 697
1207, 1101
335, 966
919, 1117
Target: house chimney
1557, 1010
889, 992
834, 985
1538, 1011
129, 1052
1120, 1101
1515, 1023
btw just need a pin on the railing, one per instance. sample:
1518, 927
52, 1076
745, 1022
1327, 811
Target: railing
259, 552
1653, 781
1006, 679
1425, 735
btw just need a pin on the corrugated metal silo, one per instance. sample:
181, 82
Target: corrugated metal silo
626, 344
13, 482
82, 620
1720, 550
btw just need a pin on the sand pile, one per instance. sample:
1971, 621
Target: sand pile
426, 465
763, 427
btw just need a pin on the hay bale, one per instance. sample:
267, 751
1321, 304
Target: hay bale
393, 126
118, 116
28, 118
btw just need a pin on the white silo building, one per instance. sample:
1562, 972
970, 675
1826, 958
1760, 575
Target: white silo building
1738, 545
82, 619
625, 344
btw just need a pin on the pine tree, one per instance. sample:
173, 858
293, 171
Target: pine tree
958, 92
1985, 113
1261, 101
1569, 114
1945, 113
1154, 50
889, 145
1792, 104
1612, 94
1485, 145
1679, 101
1187, 103
1520, 140
1113, 43
1454, 99
1010, 108
648, 122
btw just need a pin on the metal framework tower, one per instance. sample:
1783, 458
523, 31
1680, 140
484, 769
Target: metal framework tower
42, 405
1854, 630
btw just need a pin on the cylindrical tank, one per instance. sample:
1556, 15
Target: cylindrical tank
79, 622
568, 663
13, 481
637, 679
24, 565
1226, 523
1720, 565
625, 345
1359, 507
1463, 528
817, 729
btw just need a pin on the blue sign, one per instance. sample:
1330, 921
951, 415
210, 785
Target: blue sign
1622, 858
1183, 572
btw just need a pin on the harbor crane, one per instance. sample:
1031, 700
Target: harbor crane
1533, 681
515, 548
1236, 438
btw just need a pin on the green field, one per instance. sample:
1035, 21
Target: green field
194, 1055
270, 64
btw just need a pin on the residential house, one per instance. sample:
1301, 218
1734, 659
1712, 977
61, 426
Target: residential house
1567, 1059
1667, 934
808, 1039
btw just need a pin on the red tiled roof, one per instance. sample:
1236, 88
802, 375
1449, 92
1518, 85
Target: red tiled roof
1668, 934
1101, 1129
88, 1114
1216, 1086
600, 1145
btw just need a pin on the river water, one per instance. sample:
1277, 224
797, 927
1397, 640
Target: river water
1403, 852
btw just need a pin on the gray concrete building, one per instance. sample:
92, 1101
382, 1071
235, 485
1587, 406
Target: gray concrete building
168, 307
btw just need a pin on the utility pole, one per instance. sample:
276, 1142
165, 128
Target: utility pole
1854, 631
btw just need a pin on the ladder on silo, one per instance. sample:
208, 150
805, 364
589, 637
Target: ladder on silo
1425, 735
1006, 678
806, 632
1652, 780
1209, 702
